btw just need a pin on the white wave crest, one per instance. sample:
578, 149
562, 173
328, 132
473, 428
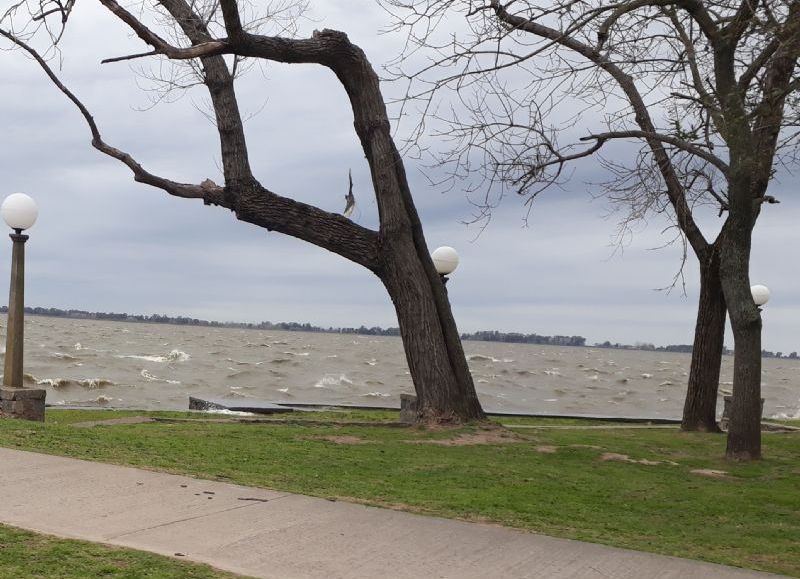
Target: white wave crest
332, 380
227, 412
151, 378
54, 382
93, 383
88, 383
481, 358
173, 356
786, 415
377, 395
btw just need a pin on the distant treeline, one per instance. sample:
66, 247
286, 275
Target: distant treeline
687, 348
516, 338
185, 321
484, 336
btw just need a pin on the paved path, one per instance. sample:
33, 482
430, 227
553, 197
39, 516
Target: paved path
285, 536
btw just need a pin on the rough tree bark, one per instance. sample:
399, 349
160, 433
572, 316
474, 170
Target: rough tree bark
397, 253
700, 407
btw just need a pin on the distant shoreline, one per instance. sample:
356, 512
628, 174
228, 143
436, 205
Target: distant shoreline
481, 336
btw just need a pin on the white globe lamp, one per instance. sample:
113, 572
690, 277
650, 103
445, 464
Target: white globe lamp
445, 260
760, 294
19, 211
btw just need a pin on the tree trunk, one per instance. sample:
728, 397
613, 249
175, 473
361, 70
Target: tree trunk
445, 390
744, 432
700, 408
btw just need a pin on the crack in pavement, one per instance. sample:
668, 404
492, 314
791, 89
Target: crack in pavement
249, 503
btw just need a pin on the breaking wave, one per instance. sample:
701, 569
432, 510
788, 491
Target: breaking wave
88, 383
173, 356
332, 380
482, 358
151, 378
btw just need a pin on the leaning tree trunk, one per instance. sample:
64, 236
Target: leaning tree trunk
445, 392
442, 381
700, 407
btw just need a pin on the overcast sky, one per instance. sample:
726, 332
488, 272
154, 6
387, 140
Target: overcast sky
105, 243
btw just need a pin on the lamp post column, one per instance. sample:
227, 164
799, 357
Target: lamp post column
15, 331
19, 211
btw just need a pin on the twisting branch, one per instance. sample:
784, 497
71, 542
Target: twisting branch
259, 206
669, 139
208, 194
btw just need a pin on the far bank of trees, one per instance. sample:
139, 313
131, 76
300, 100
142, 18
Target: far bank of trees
362, 330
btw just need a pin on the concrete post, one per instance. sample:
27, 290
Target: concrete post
12, 374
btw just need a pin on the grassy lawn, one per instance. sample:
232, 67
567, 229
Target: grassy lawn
550, 480
33, 556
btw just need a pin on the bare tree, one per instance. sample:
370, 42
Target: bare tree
396, 253
708, 91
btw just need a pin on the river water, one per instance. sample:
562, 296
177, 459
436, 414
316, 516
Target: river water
158, 366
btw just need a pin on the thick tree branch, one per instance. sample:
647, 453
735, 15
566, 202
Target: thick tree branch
219, 81
212, 195
209, 48
694, 8
742, 20
758, 64
674, 141
778, 83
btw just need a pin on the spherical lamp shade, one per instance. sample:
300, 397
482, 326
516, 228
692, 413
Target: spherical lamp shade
445, 259
760, 294
19, 211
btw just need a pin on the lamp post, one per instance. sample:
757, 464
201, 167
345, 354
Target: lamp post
445, 260
20, 212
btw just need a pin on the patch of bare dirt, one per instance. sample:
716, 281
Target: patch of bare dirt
710, 472
613, 456
489, 436
546, 449
344, 439
114, 422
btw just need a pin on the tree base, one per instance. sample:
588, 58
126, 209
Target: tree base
742, 456
712, 428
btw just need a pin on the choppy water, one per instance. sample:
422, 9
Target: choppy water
155, 366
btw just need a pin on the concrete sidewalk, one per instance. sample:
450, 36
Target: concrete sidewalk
284, 536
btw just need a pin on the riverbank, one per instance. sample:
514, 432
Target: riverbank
657, 490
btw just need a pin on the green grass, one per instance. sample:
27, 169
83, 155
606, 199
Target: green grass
750, 518
33, 556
